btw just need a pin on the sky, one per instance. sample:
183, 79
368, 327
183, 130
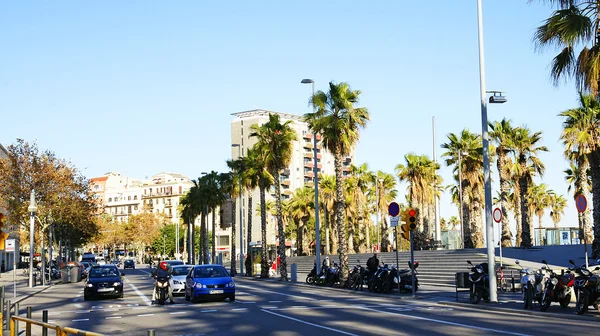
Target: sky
142, 87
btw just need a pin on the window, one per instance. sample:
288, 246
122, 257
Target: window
110, 199
135, 207
129, 198
135, 197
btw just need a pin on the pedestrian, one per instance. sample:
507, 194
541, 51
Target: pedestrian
373, 263
3, 267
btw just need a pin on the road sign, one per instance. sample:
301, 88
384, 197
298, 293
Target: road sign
394, 221
497, 214
393, 209
581, 203
9, 246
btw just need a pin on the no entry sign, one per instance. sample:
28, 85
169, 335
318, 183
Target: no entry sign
393, 209
497, 214
581, 203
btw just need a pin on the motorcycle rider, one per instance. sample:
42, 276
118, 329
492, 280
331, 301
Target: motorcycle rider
373, 263
326, 263
163, 270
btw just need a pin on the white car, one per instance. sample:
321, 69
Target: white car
177, 281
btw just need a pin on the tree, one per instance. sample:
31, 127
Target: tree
275, 143
302, 206
165, 241
539, 199
581, 138
384, 184
501, 133
580, 182
143, 229
558, 204
327, 196
528, 163
339, 122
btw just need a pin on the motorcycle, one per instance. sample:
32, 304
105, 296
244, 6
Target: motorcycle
587, 288
405, 278
479, 282
162, 289
310, 278
379, 281
527, 285
355, 277
557, 288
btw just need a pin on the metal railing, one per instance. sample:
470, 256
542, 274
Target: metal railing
59, 331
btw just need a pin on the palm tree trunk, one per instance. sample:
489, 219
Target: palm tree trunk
327, 222
339, 216
282, 258
466, 220
214, 241
305, 238
351, 231
525, 219
185, 233
476, 220
206, 245
232, 252
249, 231
368, 236
202, 234
506, 239
595, 168
264, 264
518, 218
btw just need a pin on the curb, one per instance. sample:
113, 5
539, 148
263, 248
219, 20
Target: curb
514, 311
27, 296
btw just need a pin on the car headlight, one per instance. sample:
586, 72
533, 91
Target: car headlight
89, 285
199, 285
231, 284
554, 281
117, 284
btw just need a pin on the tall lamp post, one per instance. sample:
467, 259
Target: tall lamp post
206, 223
241, 214
498, 99
32, 210
316, 181
460, 198
378, 224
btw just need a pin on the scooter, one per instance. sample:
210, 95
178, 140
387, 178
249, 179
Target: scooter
587, 288
310, 278
479, 282
557, 288
406, 278
527, 285
162, 289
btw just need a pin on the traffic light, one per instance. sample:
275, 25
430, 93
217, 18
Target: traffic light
409, 217
3, 235
412, 219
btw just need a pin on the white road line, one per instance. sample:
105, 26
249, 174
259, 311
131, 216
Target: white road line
140, 294
177, 313
268, 307
113, 317
78, 305
246, 301
208, 311
447, 322
298, 307
143, 315
274, 301
284, 294
140, 308
310, 324
80, 320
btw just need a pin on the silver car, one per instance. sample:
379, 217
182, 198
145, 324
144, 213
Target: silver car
177, 281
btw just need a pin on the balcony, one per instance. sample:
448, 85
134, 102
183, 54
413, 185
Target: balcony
309, 174
308, 164
319, 166
286, 182
318, 156
287, 192
307, 136
310, 155
318, 137
309, 145
309, 184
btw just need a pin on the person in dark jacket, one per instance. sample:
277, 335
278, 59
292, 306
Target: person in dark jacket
373, 263
163, 270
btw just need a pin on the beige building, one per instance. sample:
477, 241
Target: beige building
298, 174
7, 258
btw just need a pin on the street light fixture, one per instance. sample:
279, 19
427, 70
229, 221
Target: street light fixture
241, 214
32, 210
496, 98
316, 182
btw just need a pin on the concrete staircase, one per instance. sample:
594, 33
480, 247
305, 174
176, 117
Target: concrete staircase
437, 268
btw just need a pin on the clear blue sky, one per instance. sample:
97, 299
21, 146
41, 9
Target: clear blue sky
142, 87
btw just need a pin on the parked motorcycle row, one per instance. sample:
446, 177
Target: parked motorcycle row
384, 280
545, 286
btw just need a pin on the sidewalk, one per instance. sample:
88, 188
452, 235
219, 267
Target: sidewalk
23, 291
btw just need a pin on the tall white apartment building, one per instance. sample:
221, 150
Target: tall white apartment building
298, 174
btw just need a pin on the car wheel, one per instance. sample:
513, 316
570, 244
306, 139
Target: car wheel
187, 298
86, 297
121, 295
231, 298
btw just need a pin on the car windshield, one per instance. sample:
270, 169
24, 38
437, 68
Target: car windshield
181, 270
103, 272
174, 262
129, 261
210, 272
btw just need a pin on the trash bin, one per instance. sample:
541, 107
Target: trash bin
64, 275
462, 280
75, 274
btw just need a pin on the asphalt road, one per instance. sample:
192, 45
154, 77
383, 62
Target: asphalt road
272, 308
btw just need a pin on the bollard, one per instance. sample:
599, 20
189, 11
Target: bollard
294, 272
7, 313
2, 292
3, 313
45, 320
28, 325
16, 312
151, 332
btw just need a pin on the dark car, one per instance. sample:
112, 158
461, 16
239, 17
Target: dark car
129, 263
103, 281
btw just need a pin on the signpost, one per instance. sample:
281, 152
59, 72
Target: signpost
581, 204
9, 246
394, 211
497, 214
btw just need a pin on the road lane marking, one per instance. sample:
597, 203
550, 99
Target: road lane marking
113, 317
245, 301
447, 322
78, 305
80, 320
208, 311
298, 307
177, 313
240, 309
275, 301
140, 294
309, 323
144, 315
279, 293
268, 307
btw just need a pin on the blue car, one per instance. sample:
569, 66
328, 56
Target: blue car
210, 282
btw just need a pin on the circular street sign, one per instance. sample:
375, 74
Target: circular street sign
393, 209
497, 214
581, 203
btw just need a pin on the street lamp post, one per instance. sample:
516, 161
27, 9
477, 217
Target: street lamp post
316, 182
241, 214
498, 99
32, 210
378, 224
205, 252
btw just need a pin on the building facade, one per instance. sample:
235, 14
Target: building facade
299, 173
7, 258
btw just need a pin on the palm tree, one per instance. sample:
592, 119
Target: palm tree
362, 179
501, 134
528, 163
453, 222
581, 138
558, 204
539, 199
384, 184
573, 25
302, 204
327, 194
470, 148
231, 188
275, 143
514, 204
580, 181
339, 122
